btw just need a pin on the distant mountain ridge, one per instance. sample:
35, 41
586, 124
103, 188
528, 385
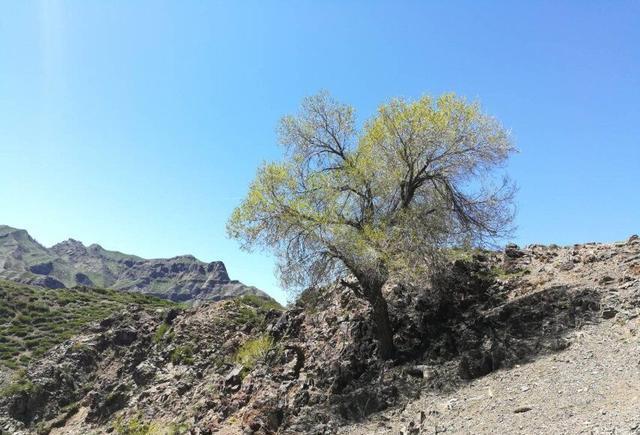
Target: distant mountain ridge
71, 263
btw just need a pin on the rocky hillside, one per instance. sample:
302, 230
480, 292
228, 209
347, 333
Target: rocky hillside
35, 319
70, 263
536, 340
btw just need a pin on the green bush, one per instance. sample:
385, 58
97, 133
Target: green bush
258, 302
253, 350
309, 300
182, 354
133, 426
160, 332
137, 426
19, 384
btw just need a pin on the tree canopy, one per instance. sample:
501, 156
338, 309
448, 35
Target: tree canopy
378, 200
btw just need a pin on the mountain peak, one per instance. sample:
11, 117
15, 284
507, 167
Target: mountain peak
71, 263
69, 242
6, 230
69, 247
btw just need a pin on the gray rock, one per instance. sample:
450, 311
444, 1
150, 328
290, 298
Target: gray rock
84, 280
566, 266
144, 373
605, 280
125, 336
512, 251
42, 268
609, 313
234, 377
49, 282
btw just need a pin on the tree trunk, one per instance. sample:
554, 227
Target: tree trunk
384, 334
370, 288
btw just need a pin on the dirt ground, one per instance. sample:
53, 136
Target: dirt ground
593, 387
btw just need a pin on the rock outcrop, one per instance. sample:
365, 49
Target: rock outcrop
243, 367
71, 263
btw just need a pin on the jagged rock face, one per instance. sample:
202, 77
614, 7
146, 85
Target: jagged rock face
320, 368
71, 263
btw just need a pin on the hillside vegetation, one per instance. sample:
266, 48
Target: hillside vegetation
35, 319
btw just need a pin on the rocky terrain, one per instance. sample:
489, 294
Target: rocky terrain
543, 339
70, 263
34, 319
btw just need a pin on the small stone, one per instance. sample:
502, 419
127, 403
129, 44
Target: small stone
609, 313
234, 377
522, 409
125, 336
605, 280
566, 266
513, 251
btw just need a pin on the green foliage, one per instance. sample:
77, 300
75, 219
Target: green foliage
182, 354
177, 429
251, 310
247, 315
464, 254
253, 350
262, 303
500, 273
35, 319
133, 426
137, 426
416, 179
309, 300
19, 384
160, 332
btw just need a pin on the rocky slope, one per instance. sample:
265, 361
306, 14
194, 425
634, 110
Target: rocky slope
35, 319
70, 263
588, 384
535, 340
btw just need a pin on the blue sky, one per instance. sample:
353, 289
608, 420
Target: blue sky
138, 125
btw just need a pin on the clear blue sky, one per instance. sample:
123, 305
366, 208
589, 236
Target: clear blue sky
138, 125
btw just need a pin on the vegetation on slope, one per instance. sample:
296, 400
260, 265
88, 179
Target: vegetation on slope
34, 319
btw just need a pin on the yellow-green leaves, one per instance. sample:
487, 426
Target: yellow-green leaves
411, 180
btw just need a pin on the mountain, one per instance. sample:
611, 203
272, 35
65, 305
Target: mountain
535, 340
71, 263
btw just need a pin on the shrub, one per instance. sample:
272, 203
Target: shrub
253, 350
309, 300
137, 426
182, 354
160, 332
19, 384
133, 426
258, 302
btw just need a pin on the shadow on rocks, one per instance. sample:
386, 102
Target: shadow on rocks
471, 325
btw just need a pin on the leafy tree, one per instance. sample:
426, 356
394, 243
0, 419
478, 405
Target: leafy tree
366, 204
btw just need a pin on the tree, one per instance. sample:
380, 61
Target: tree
379, 201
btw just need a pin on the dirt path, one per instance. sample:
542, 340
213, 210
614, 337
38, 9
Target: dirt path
593, 387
